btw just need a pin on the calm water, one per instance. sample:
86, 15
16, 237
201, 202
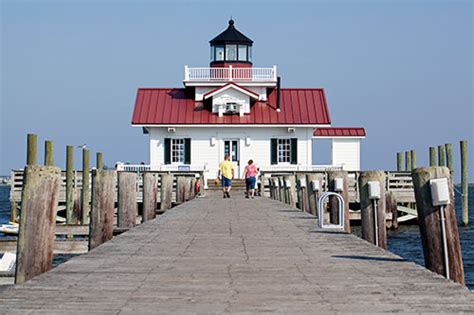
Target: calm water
405, 241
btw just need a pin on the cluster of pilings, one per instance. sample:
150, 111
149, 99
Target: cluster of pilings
102, 189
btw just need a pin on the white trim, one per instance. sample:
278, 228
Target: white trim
233, 126
235, 87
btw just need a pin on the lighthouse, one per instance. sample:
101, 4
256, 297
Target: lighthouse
232, 107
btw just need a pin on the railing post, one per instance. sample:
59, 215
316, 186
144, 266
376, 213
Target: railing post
274, 72
230, 73
186, 73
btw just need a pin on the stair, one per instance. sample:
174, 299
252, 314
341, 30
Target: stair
237, 184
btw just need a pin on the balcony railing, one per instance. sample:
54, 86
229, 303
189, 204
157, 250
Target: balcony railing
230, 74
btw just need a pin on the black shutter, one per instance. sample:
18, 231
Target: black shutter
167, 151
294, 151
273, 150
187, 151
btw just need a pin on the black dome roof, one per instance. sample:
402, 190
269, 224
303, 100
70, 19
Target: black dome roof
231, 36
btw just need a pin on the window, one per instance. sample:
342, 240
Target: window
242, 52
177, 150
230, 52
284, 150
212, 53
250, 54
219, 53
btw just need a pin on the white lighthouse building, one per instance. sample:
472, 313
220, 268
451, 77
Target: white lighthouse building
232, 107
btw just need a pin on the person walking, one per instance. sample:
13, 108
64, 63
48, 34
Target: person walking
250, 175
226, 173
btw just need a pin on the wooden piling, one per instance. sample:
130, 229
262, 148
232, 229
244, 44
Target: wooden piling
102, 210
150, 195
333, 203
281, 188
441, 156
69, 184
76, 205
180, 189
302, 186
433, 156
449, 159
312, 195
127, 200
391, 207
367, 208
464, 183
430, 225
166, 192
189, 193
399, 161
85, 198
48, 153
13, 211
407, 161
413, 159
31, 148
38, 221
99, 161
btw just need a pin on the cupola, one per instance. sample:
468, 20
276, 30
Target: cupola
231, 47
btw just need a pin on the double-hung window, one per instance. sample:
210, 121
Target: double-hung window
177, 150
284, 150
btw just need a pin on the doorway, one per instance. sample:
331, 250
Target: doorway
231, 147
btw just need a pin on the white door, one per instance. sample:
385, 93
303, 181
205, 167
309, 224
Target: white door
231, 147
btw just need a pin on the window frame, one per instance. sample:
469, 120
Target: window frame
283, 146
177, 145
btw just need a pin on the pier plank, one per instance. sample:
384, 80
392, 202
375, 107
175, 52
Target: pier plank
214, 255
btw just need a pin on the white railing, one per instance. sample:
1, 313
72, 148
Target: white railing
161, 168
301, 168
230, 74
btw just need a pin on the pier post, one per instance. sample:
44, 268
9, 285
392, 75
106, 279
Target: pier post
391, 207
464, 183
99, 161
429, 220
189, 189
38, 221
85, 186
303, 193
180, 189
413, 159
69, 184
166, 191
433, 156
102, 210
407, 161
48, 153
281, 188
287, 180
449, 160
333, 202
373, 231
276, 190
31, 146
127, 199
399, 161
441, 156
150, 195
13, 211
313, 195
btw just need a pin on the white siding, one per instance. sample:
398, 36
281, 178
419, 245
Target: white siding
230, 96
346, 152
203, 152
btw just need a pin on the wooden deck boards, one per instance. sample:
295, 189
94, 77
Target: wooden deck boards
215, 255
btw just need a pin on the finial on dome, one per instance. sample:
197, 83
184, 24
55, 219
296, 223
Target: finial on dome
231, 22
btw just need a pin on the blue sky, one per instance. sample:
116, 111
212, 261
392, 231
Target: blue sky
70, 69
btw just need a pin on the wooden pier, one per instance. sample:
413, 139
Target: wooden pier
213, 255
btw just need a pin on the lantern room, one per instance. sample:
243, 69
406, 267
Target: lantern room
231, 47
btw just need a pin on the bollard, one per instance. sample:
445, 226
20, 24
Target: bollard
150, 195
37, 221
302, 193
69, 184
313, 195
166, 191
85, 198
431, 227
127, 200
48, 153
180, 189
102, 209
372, 207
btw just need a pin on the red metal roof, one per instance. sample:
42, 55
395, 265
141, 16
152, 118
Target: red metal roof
170, 106
339, 132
